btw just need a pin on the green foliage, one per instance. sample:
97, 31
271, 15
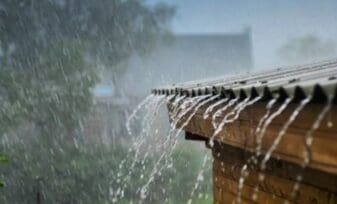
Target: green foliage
49, 53
85, 173
65, 174
50, 49
3, 159
112, 29
53, 96
187, 163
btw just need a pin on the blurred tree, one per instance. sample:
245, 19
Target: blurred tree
49, 50
86, 174
307, 49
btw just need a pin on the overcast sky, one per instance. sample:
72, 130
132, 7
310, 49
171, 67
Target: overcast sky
273, 22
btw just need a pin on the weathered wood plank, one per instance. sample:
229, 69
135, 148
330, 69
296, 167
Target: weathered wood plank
316, 187
231, 186
241, 133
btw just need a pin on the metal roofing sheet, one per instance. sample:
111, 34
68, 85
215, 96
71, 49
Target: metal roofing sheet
316, 80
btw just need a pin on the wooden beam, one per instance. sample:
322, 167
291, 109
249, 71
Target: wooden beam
280, 178
195, 137
241, 133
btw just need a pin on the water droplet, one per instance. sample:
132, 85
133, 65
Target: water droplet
330, 124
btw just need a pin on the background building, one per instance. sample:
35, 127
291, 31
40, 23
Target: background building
189, 57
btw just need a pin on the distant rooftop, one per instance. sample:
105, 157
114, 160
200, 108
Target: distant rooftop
191, 57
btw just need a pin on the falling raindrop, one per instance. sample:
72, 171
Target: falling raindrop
200, 177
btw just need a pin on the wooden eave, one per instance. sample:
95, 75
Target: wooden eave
317, 81
241, 133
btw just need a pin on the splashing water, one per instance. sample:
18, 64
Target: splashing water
258, 128
178, 112
268, 121
283, 131
146, 132
278, 139
244, 171
151, 112
149, 118
176, 106
136, 145
193, 113
242, 107
136, 110
196, 105
147, 124
148, 107
236, 112
265, 116
315, 126
308, 142
184, 125
199, 178
243, 174
190, 107
197, 108
218, 112
211, 107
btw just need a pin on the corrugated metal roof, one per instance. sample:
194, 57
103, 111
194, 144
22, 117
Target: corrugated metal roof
318, 80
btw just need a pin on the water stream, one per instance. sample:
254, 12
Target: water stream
260, 138
221, 110
151, 109
308, 142
241, 108
196, 110
200, 178
264, 118
195, 105
136, 110
261, 125
211, 107
147, 104
283, 131
268, 121
182, 111
188, 108
145, 132
235, 111
277, 140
